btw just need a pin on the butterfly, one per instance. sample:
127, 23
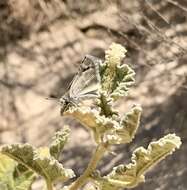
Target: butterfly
84, 85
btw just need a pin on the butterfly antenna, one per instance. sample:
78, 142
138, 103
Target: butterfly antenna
53, 98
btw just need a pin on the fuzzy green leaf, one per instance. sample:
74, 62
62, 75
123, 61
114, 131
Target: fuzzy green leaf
124, 79
39, 161
59, 140
105, 104
84, 115
127, 129
114, 54
94, 121
107, 129
142, 160
8, 180
113, 57
90, 118
24, 181
116, 78
3, 186
7, 167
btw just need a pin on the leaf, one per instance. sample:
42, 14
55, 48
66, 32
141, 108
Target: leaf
84, 115
115, 54
91, 119
7, 179
116, 79
24, 181
113, 58
123, 80
7, 167
3, 186
39, 161
105, 104
107, 129
142, 160
127, 129
59, 140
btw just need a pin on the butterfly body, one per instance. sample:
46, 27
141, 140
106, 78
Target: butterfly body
84, 85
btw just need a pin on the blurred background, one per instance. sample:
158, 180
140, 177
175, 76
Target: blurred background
43, 41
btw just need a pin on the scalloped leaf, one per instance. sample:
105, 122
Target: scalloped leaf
59, 140
84, 115
91, 119
39, 161
108, 129
142, 160
127, 129
113, 57
8, 179
7, 167
123, 80
116, 78
24, 181
115, 54
105, 104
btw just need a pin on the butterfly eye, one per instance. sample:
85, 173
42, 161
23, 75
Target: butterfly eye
64, 104
62, 101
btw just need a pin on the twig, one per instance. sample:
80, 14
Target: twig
159, 14
49, 185
96, 157
177, 5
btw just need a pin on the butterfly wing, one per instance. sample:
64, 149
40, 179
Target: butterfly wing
85, 84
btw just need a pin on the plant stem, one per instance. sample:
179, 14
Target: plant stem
97, 155
49, 185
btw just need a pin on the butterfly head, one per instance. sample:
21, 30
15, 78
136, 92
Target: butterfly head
65, 103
